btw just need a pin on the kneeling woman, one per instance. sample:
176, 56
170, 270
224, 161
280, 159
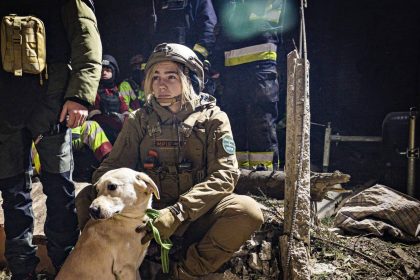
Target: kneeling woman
184, 142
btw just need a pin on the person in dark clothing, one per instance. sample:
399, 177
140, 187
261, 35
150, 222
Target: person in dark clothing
247, 54
110, 109
187, 22
31, 111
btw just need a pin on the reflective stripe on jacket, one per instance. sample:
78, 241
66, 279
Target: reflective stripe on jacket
260, 52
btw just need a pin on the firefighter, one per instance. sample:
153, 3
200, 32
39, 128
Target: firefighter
110, 109
184, 142
249, 42
131, 89
40, 110
187, 22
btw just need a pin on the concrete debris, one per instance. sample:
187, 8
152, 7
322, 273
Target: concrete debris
322, 269
254, 262
259, 257
265, 253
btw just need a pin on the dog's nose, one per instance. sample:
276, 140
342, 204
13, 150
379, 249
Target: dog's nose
95, 212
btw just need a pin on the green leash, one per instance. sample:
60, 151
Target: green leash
165, 245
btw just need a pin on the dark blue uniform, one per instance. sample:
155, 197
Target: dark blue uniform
187, 22
247, 46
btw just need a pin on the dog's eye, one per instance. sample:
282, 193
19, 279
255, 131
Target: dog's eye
112, 187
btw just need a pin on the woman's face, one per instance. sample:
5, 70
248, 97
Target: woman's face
166, 82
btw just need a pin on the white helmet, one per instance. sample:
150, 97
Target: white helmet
178, 53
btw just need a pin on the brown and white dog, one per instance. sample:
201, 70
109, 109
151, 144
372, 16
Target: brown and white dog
110, 244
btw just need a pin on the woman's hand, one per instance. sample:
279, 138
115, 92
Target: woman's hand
166, 224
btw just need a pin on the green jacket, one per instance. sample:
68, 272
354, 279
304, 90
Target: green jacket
74, 53
196, 162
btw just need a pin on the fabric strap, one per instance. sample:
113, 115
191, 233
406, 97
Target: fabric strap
165, 245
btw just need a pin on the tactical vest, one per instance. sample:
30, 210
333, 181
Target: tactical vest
174, 155
109, 103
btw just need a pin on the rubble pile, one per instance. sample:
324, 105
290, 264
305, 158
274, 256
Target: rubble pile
259, 257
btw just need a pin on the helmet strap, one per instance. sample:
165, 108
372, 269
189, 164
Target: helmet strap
166, 102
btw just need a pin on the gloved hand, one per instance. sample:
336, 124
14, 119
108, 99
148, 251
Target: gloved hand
166, 224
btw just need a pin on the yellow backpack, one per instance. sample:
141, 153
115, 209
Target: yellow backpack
23, 45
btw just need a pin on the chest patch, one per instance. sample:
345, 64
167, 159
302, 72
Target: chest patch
228, 144
169, 143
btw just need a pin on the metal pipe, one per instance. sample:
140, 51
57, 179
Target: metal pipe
327, 144
328, 138
412, 153
341, 138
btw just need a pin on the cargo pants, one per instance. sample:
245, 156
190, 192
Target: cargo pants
15, 184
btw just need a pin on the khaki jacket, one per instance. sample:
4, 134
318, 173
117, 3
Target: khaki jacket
199, 136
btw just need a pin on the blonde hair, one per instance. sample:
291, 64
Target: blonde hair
187, 90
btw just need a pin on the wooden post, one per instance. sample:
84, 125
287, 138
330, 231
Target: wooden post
295, 241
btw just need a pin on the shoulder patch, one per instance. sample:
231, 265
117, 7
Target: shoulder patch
228, 144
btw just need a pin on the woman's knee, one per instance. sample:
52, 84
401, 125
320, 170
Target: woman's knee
247, 209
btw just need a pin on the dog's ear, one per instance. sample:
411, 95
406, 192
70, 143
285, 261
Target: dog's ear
149, 182
95, 185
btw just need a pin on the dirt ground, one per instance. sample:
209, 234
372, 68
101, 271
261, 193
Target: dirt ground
339, 256
334, 255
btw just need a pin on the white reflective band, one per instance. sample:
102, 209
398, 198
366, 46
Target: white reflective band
262, 157
266, 51
251, 50
242, 156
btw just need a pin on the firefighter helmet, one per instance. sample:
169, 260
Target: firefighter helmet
178, 53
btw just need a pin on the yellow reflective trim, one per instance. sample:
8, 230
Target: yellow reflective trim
244, 164
127, 93
201, 50
269, 55
97, 135
76, 130
35, 159
143, 66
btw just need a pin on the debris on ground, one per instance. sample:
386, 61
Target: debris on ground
334, 255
